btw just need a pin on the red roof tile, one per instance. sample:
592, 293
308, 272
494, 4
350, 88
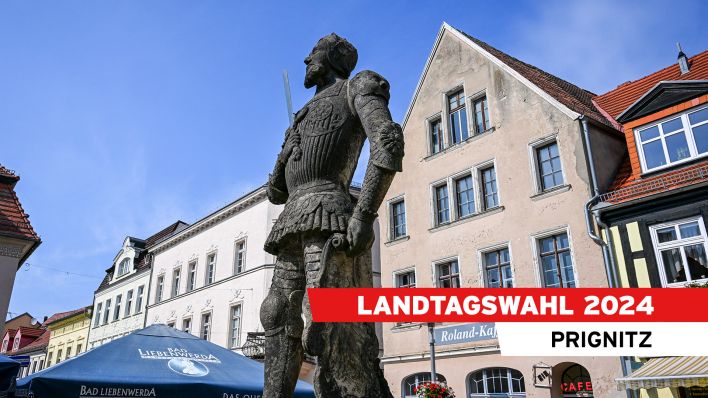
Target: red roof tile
31, 332
626, 187
63, 315
14, 222
618, 100
575, 98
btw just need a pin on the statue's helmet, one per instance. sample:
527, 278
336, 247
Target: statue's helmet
341, 55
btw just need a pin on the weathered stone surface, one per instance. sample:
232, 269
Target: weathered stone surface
323, 237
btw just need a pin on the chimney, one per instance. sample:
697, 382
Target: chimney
682, 60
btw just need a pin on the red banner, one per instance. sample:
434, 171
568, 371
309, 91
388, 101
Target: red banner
508, 305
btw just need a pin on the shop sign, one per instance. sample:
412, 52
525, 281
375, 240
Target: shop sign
542, 375
465, 333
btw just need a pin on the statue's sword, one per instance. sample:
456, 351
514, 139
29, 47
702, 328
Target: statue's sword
288, 98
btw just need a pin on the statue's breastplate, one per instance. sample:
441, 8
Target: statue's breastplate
330, 140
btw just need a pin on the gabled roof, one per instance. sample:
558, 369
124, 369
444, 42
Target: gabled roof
10, 332
567, 97
14, 222
618, 100
39, 344
29, 332
142, 262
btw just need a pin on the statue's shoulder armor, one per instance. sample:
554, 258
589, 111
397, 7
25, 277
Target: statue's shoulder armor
369, 83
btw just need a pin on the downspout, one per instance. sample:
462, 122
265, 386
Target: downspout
591, 216
608, 259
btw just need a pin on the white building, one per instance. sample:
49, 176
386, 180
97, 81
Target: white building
210, 278
120, 300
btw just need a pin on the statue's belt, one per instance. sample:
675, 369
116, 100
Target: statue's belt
318, 186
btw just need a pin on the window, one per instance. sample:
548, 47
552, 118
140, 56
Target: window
108, 310
68, 352
187, 325
128, 303
175, 281
673, 140
448, 274
497, 268
78, 348
464, 196
123, 267
556, 261
442, 205
398, 219
210, 268
59, 352
160, 288
458, 117
4, 345
436, 136
411, 382
240, 256
97, 317
171, 324
550, 173
235, 326
49, 359
576, 382
192, 277
481, 114
116, 313
16, 344
139, 300
489, 187
41, 364
680, 249
206, 326
405, 279
497, 383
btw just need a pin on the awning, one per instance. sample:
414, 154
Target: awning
668, 372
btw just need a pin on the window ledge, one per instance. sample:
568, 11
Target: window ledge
551, 192
404, 327
475, 216
397, 240
460, 144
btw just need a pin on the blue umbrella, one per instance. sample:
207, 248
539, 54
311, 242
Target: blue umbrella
157, 361
8, 373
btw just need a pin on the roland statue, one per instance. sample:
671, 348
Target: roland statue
324, 235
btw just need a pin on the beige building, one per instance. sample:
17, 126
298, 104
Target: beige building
69, 335
491, 195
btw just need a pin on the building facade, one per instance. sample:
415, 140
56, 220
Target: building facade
656, 211
68, 335
210, 278
494, 180
17, 238
121, 299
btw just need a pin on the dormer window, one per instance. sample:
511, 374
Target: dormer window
16, 344
674, 140
123, 267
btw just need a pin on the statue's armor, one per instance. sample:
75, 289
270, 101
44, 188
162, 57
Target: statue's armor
331, 138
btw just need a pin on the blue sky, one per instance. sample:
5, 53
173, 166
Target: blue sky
124, 116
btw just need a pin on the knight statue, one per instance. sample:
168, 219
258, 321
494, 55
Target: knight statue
324, 235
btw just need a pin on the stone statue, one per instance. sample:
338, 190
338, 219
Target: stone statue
323, 236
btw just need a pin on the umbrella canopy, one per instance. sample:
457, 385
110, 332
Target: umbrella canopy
8, 372
157, 361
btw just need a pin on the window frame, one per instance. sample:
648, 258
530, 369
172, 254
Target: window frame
97, 316
430, 122
509, 381
460, 89
439, 378
483, 189
392, 218
452, 195
239, 268
116, 310
192, 275
658, 247
402, 271
140, 291
176, 281
207, 269
123, 271
534, 160
436, 201
230, 337
686, 128
159, 288
129, 295
444, 261
536, 250
107, 312
187, 319
473, 100
481, 258
210, 325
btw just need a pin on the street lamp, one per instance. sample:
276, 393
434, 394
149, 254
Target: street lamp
431, 340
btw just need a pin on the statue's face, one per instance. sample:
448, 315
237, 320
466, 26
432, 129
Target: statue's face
317, 68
